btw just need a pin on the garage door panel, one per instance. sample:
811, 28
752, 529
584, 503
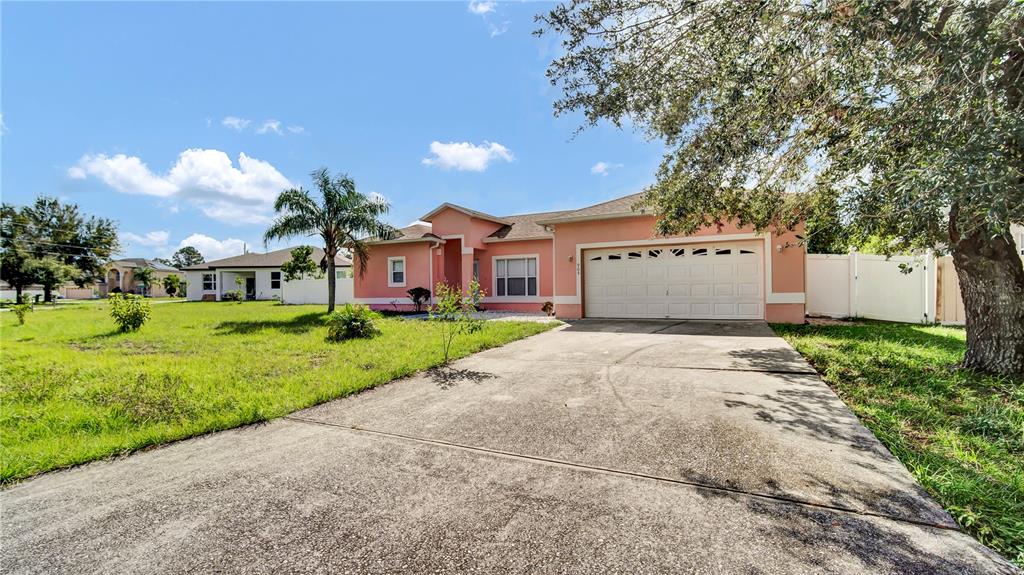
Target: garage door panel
748, 289
704, 281
700, 290
748, 309
679, 290
678, 273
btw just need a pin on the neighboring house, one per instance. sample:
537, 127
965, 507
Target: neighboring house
262, 278
1018, 237
121, 274
600, 261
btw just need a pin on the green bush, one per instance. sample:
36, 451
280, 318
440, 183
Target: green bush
233, 295
129, 311
20, 310
350, 322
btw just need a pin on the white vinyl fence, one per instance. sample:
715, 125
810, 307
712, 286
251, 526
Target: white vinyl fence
870, 286
315, 291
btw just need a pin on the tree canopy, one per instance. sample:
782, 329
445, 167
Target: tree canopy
907, 116
342, 217
907, 110
187, 256
300, 265
51, 243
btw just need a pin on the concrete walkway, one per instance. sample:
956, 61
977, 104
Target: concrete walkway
600, 447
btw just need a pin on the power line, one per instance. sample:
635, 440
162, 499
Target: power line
75, 246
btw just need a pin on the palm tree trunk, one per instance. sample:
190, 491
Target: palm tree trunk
331, 282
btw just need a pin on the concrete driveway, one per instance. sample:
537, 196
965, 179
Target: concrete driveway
601, 447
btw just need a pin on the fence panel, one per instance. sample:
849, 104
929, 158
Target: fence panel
315, 291
950, 302
874, 287
828, 285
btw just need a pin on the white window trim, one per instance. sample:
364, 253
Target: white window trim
494, 280
202, 282
391, 275
280, 280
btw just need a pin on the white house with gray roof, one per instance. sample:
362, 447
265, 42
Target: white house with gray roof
261, 278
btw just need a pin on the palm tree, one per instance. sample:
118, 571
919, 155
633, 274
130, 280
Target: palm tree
144, 277
342, 218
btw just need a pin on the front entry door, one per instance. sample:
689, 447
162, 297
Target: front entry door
250, 288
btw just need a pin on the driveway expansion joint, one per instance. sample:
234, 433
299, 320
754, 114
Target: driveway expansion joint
622, 473
684, 367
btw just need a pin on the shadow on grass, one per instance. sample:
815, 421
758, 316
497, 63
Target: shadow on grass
872, 331
296, 325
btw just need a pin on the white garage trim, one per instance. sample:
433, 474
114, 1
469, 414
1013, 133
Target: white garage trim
721, 279
771, 297
684, 240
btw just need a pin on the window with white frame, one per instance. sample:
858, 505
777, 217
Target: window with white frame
209, 282
275, 280
515, 277
342, 273
396, 272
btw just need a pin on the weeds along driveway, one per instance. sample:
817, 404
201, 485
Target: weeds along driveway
597, 447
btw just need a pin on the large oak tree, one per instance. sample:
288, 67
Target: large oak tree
907, 114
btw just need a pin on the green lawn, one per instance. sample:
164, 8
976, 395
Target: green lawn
960, 434
74, 390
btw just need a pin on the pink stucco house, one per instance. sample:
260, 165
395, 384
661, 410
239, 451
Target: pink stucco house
599, 261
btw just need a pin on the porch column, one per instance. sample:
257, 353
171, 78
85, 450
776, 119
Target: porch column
467, 268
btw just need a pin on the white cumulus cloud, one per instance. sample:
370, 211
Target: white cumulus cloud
296, 129
153, 239
602, 168
204, 178
270, 126
235, 123
466, 156
212, 248
482, 7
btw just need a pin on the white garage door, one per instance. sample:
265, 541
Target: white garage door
688, 281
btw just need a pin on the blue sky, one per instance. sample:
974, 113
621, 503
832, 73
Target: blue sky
181, 121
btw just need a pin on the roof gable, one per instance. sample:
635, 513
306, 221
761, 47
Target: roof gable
467, 211
523, 227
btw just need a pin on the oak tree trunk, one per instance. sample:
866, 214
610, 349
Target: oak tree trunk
992, 285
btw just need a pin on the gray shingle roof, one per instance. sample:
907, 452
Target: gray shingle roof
618, 206
272, 259
524, 227
412, 233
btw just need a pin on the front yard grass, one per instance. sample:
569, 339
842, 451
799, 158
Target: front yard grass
74, 390
961, 434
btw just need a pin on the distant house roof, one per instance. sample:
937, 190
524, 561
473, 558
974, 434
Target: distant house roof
413, 233
467, 211
272, 259
616, 208
523, 227
144, 263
